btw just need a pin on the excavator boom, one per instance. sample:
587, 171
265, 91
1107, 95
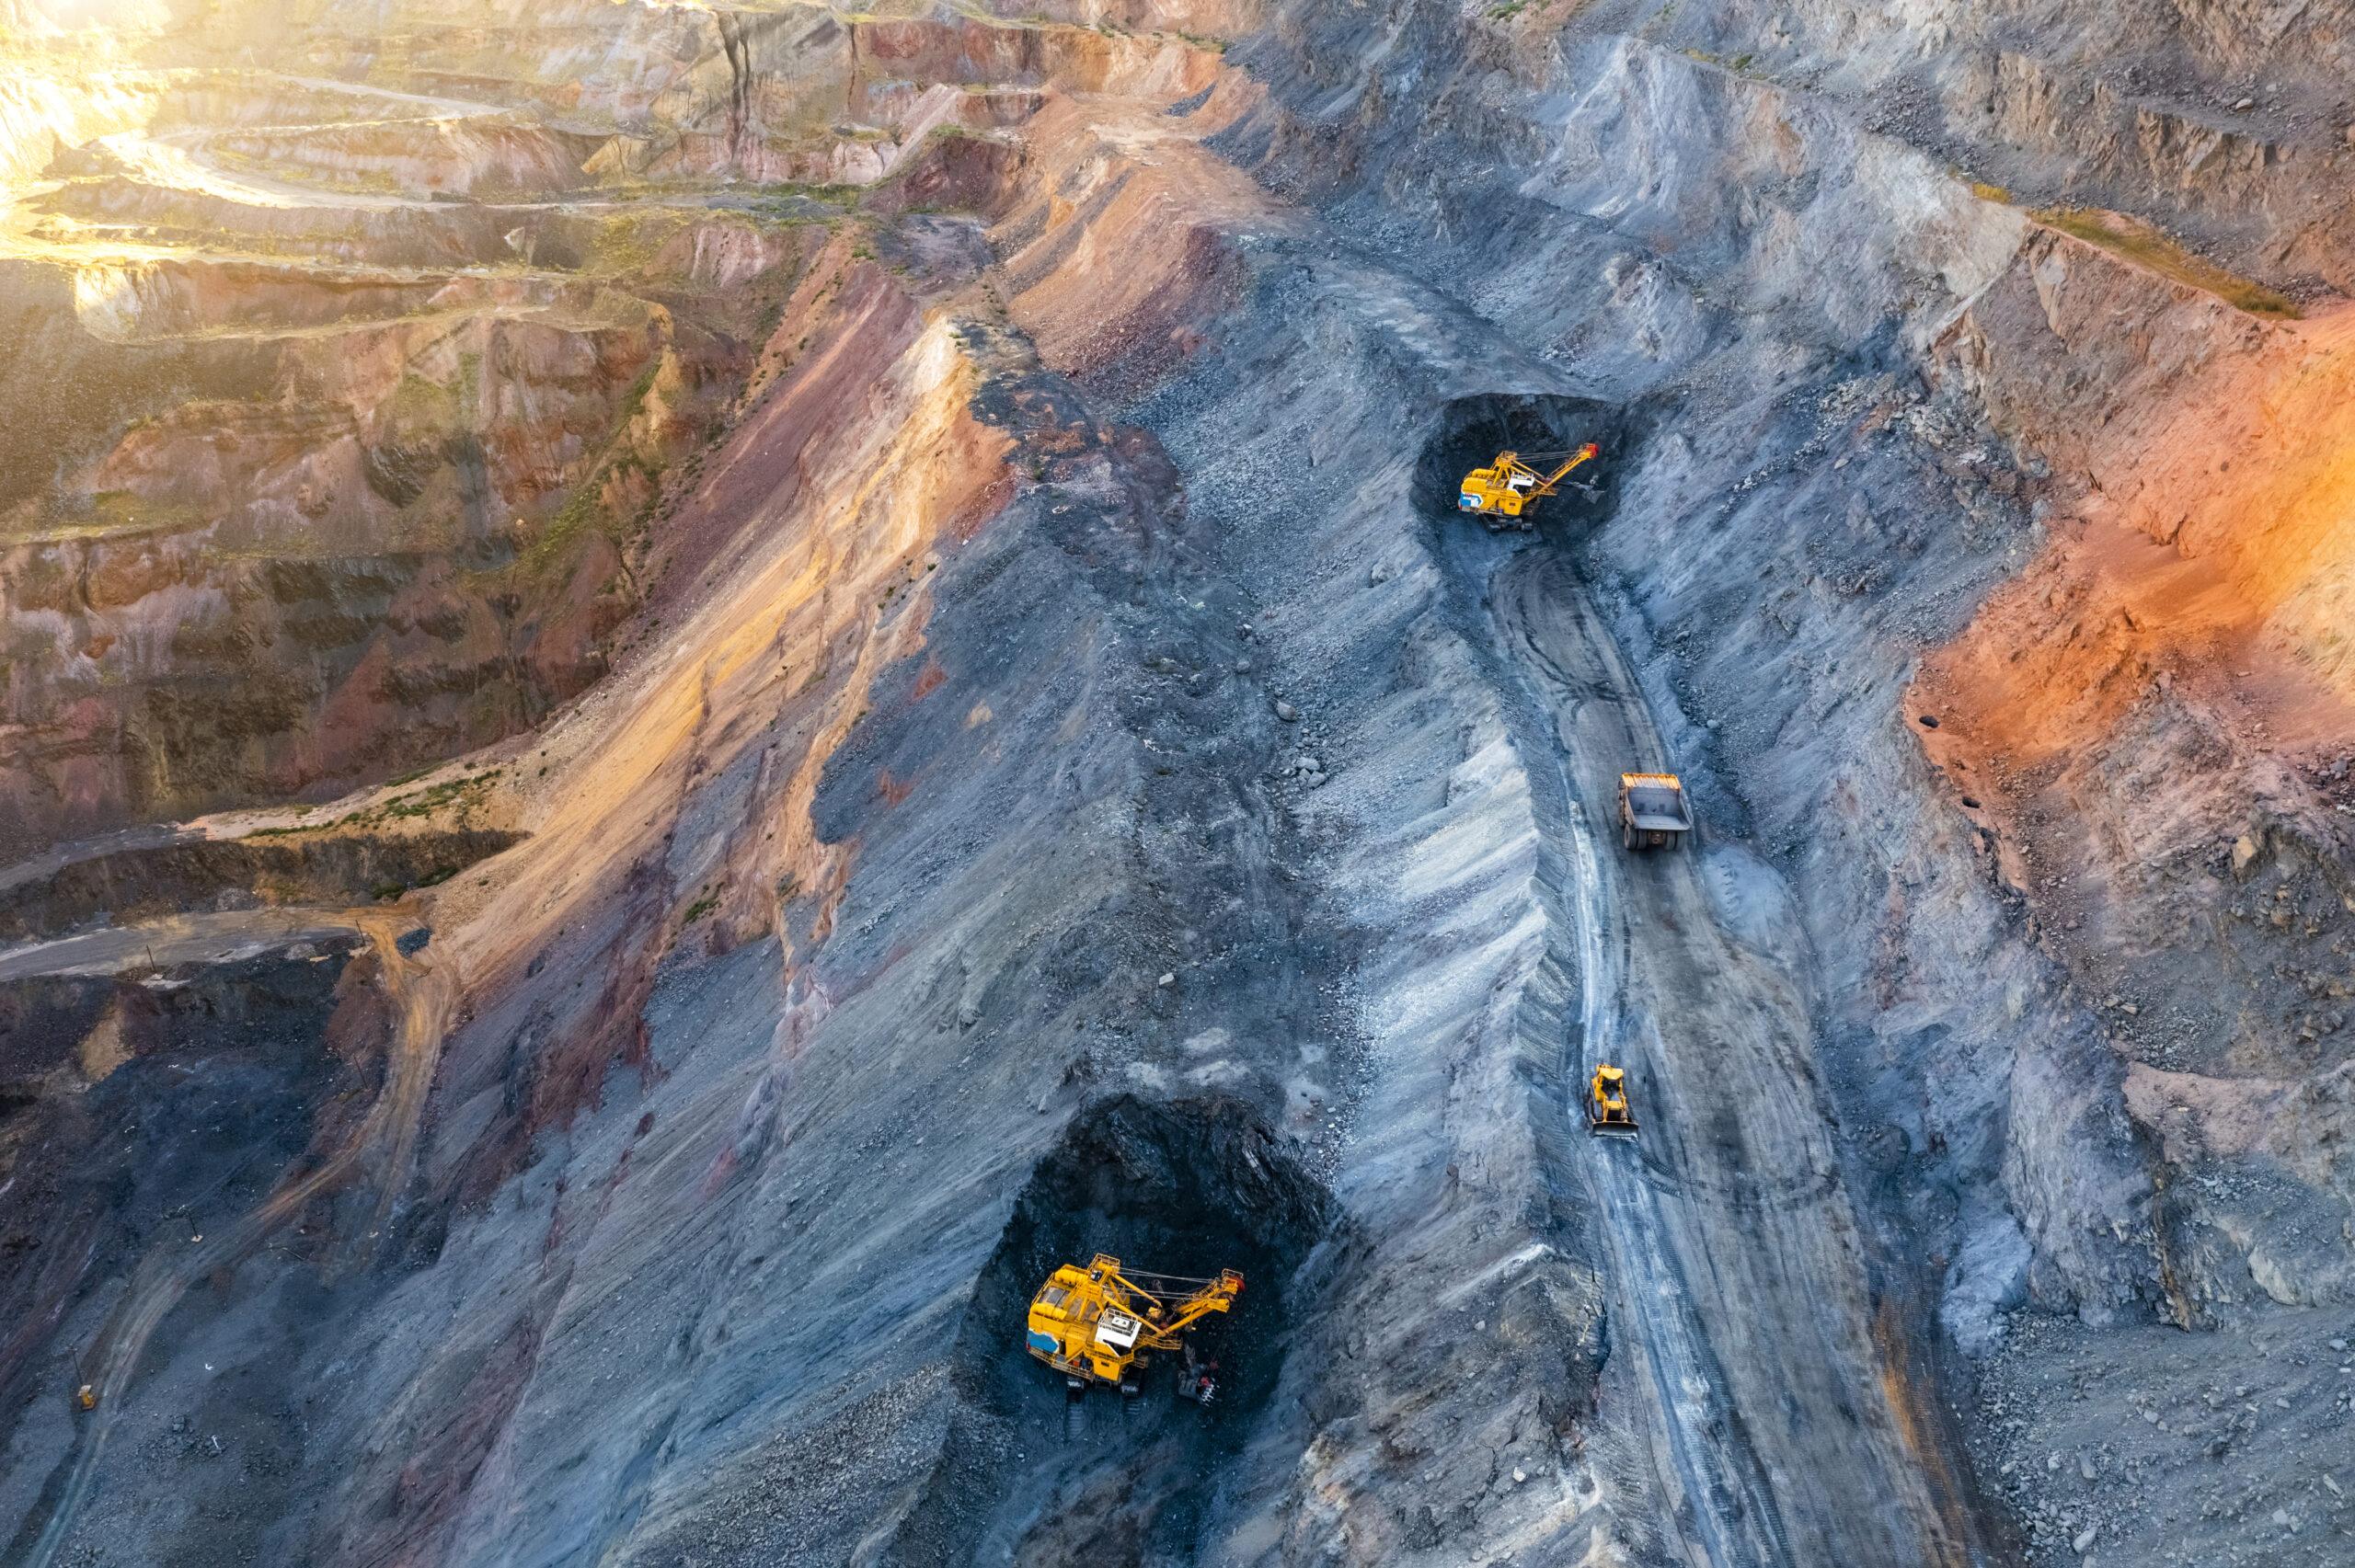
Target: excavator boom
1218, 1296
1578, 459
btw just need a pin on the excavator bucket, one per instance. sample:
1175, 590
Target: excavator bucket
1607, 1124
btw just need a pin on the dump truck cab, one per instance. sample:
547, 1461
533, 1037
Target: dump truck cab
1653, 812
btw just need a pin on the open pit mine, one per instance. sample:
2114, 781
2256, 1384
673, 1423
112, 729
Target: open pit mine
1177, 783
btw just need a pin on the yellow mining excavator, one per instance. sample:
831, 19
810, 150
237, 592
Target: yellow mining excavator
1509, 487
1091, 1324
1606, 1105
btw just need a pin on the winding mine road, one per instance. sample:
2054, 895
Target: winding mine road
1782, 1434
210, 938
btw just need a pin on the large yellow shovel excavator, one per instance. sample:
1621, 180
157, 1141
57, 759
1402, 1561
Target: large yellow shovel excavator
1091, 1324
1507, 487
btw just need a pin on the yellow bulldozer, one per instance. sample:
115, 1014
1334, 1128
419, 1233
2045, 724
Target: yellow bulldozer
1503, 492
1092, 1325
1607, 1115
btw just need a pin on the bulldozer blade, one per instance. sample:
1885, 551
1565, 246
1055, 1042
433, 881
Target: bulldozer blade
1611, 1129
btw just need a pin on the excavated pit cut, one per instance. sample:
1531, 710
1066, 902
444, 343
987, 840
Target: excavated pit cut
1470, 431
158, 1102
1186, 1187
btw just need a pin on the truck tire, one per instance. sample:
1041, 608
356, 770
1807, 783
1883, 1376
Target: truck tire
1626, 837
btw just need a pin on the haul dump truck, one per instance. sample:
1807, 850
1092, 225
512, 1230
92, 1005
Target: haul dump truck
1092, 1325
1653, 812
1503, 492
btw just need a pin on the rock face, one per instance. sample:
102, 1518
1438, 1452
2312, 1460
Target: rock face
688, 688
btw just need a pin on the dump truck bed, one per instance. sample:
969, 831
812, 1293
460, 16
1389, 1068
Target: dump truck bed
1656, 802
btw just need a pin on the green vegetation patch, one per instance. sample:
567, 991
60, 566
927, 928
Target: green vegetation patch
426, 802
628, 242
633, 400
2133, 241
1743, 65
790, 200
465, 790
470, 382
125, 512
423, 408
583, 512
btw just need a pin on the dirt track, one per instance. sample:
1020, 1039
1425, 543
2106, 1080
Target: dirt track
205, 938
384, 1140
1736, 1262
